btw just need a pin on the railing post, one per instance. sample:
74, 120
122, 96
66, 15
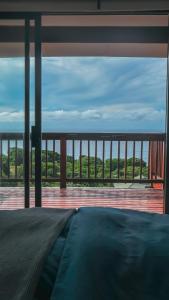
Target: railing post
63, 163
152, 160
156, 161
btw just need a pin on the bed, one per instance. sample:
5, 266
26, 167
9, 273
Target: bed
92, 253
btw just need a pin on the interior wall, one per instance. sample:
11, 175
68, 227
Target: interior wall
77, 5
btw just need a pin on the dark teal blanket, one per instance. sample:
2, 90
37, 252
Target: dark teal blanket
26, 237
114, 254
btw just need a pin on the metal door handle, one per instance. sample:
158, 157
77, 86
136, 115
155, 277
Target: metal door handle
34, 136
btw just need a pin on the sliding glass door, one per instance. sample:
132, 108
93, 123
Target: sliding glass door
20, 137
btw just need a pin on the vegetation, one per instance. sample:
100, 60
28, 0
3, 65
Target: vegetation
15, 165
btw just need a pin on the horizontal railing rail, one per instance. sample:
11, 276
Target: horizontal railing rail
89, 136
88, 158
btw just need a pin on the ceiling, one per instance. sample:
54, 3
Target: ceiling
82, 5
98, 35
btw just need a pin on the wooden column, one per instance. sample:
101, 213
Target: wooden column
166, 204
63, 163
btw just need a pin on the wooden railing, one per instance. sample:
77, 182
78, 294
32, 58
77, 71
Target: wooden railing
88, 158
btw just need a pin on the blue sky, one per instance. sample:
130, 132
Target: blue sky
88, 94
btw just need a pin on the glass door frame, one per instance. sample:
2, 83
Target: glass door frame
36, 134
166, 186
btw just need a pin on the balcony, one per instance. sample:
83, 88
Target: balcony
91, 169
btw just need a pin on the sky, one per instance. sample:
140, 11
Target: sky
88, 94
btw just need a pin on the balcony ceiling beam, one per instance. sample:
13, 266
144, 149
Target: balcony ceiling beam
74, 34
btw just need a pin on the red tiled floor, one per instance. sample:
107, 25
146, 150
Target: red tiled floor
150, 200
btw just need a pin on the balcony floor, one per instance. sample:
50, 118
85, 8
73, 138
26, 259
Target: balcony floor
150, 200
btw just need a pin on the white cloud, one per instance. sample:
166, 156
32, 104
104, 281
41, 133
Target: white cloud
134, 112
71, 114
11, 116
